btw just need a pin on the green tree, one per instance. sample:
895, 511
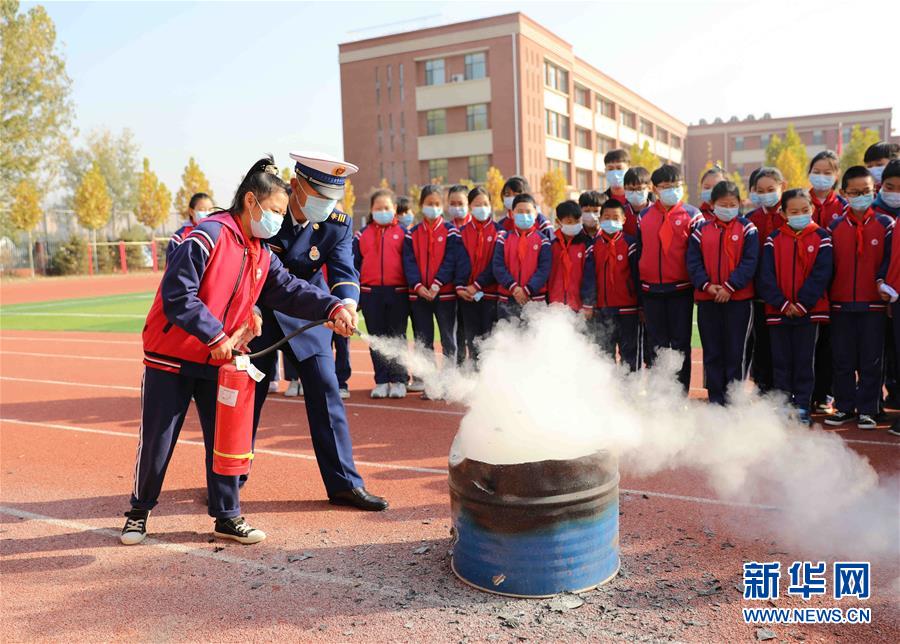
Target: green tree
853, 152
26, 213
789, 156
92, 202
154, 199
553, 188
494, 185
192, 181
35, 107
117, 157
644, 157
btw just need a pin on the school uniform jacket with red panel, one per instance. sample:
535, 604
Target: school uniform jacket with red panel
723, 254
631, 218
795, 269
766, 220
433, 256
662, 247
611, 282
178, 237
478, 240
522, 258
828, 209
862, 252
378, 256
208, 290
567, 269
706, 210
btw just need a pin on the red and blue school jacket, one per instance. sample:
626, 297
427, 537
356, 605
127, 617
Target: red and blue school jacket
881, 208
631, 220
478, 240
378, 256
522, 258
828, 209
433, 256
862, 252
723, 254
208, 290
706, 210
662, 246
178, 237
611, 283
795, 269
567, 259
766, 221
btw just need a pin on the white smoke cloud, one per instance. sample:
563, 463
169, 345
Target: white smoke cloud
543, 391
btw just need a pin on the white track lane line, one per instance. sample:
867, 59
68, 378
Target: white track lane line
44, 314
389, 466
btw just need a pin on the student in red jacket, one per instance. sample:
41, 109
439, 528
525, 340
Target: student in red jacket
479, 297
708, 181
637, 196
512, 188
436, 266
889, 277
722, 257
615, 164
862, 242
768, 184
567, 250
610, 287
199, 208
793, 281
590, 201
877, 156
521, 260
888, 200
667, 301
458, 209
203, 311
384, 299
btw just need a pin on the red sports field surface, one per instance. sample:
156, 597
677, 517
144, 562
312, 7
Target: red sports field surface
70, 410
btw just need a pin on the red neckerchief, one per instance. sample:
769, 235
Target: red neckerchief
667, 228
479, 245
566, 260
459, 224
796, 236
829, 199
730, 244
523, 243
610, 259
859, 227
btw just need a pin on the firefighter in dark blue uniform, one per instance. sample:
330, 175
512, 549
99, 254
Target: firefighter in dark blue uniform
316, 236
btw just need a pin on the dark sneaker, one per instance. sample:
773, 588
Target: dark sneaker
237, 529
866, 422
804, 417
839, 418
135, 527
895, 428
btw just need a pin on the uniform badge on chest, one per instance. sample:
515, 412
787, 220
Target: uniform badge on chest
258, 273
314, 254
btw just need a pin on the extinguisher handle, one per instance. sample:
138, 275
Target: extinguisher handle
292, 334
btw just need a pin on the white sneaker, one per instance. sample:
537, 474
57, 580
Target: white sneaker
416, 385
396, 390
344, 393
380, 391
273, 387
294, 389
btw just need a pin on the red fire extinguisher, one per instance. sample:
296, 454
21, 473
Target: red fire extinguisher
233, 442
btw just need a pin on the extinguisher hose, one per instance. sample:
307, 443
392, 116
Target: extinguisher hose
292, 334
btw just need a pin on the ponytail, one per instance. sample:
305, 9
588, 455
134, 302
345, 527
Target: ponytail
262, 180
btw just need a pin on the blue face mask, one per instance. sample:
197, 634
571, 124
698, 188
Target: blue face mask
524, 220
799, 222
611, 226
317, 209
754, 199
726, 214
636, 197
570, 230
892, 199
615, 178
383, 217
822, 181
508, 202
706, 194
269, 223
861, 203
671, 196
877, 172
432, 212
406, 219
201, 214
481, 213
769, 199
457, 212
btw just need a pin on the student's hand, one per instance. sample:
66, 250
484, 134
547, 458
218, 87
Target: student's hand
587, 313
884, 296
464, 294
471, 290
792, 311
520, 295
723, 295
222, 351
255, 324
713, 289
424, 293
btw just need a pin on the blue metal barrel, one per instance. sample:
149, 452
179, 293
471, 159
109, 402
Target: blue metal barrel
536, 529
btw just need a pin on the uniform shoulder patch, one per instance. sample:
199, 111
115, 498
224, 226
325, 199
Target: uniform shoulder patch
340, 217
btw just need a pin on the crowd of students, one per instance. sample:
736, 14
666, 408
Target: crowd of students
636, 259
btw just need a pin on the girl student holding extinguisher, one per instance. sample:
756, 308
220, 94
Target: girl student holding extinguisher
202, 312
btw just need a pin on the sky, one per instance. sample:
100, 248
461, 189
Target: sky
227, 81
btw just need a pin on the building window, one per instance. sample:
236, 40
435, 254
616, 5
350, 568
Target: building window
476, 117
818, 137
377, 88
390, 78
437, 170
476, 66
646, 127
583, 180
764, 141
605, 144
628, 119
478, 167
402, 133
607, 108
400, 70
845, 134
738, 143
662, 135
556, 77
582, 96
582, 138
436, 122
556, 164
434, 72
676, 141
557, 125
391, 131
405, 178
380, 133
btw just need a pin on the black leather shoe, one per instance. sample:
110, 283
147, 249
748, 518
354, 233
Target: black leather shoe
358, 497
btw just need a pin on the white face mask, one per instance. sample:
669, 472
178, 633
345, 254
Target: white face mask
481, 213
317, 209
201, 214
508, 202
570, 230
